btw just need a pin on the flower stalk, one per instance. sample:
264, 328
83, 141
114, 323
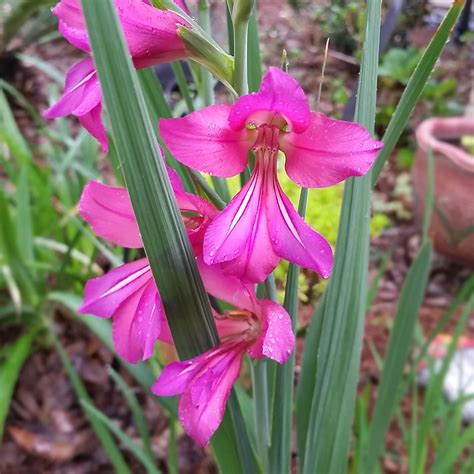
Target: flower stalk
207, 83
241, 11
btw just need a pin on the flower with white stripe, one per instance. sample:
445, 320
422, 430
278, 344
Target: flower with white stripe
260, 226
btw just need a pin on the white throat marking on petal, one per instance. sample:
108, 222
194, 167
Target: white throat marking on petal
122, 283
285, 215
243, 206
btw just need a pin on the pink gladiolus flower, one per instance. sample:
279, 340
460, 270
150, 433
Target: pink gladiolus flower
260, 225
128, 293
152, 38
258, 328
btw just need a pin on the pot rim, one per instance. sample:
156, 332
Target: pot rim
430, 133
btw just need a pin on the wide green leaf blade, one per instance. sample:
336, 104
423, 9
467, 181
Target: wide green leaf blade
330, 416
415, 87
166, 243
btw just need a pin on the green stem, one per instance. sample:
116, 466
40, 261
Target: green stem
220, 185
263, 383
183, 85
241, 85
210, 193
280, 453
260, 399
240, 56
204, 16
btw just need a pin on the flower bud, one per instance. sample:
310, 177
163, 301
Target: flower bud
208, 54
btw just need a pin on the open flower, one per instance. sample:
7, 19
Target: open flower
258, 328
260, 226
128, 293
152, 38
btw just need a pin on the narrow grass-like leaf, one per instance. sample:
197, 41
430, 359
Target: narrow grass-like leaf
10, 133
415, 86
434, 392
361, 427
183, 84
396, 356
307, 378
10, 369
462, 296
172, 449
43, 66
372, 293
102, 329
21, 12
452, 449
340, 338
282, 409
108, 443
11, 256
99, 417
157, 108
24, 222
166, 243
137, 412
154, 95
261, 410
401, 337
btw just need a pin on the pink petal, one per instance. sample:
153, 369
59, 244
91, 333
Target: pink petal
81, 93
77, 36
92, 122
151, 33
175, 377
202, 406
239, 234
328, 152
103, 295
205, 382
173, 175
137, 324
197, 213
82, 97
279, 96
291, 238
109, 212
225, 287
276, 339
202, 140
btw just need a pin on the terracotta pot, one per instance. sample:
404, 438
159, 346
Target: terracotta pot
452, 221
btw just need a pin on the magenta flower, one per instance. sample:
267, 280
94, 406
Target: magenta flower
258, 328
152, 38
128, 293
260, 225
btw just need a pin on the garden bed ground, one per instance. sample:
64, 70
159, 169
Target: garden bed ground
46, 430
